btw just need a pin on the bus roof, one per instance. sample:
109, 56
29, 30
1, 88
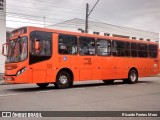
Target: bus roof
32, 28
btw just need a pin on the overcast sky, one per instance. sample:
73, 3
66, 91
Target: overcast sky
139, 14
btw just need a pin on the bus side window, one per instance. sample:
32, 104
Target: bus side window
127, 50
45, 51
45, 48
153, 51
103, 47
67, 44
142, 50
134, 49
118, 48
87, 46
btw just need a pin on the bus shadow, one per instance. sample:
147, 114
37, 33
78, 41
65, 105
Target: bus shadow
88, 85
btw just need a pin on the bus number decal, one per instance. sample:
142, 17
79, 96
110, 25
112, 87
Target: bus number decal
87, 61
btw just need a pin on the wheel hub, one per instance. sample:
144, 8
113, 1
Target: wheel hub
133, 77
63, 79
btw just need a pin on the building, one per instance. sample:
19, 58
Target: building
2, 31
77, 25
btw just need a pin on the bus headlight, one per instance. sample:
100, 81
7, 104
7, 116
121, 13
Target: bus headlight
21, 71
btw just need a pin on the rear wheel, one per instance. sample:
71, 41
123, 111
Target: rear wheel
108, 81
132, 77
63, 80
42, 85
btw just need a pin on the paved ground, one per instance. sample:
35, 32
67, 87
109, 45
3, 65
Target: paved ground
84, 96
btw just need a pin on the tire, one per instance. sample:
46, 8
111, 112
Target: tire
108, 81
63, 80
42, 85
132, 77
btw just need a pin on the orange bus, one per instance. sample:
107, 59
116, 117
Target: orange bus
44, 56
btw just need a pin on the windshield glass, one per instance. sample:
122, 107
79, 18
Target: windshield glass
17, 50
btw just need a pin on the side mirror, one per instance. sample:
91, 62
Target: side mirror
37, 44
4, 49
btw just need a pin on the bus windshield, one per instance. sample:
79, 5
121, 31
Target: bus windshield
17, 50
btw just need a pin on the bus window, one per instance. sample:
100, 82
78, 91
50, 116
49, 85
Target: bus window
118, 48
142, 50
67, 44
44, 53
103, 47
153, 51
23, 44
45, 49
87, 46
134, 49
127, 50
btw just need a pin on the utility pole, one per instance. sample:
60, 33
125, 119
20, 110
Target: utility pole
87, 15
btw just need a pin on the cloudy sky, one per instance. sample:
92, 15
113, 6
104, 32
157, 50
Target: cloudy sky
139, 14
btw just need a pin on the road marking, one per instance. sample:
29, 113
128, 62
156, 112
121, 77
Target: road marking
43, 91
8, 95
142, 83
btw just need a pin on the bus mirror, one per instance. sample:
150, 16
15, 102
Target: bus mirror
3, 49
37, 44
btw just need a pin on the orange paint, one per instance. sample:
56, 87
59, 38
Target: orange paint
83, 67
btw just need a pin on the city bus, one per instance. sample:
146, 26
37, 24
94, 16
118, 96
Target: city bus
45, 56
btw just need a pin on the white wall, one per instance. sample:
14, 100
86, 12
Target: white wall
159, 40
2, 33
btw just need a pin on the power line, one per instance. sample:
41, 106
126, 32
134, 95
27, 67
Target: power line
71, 25
29, 16
42, 24
67, 26
101, 19
78, 7
108, 14
63, 11
34, 19
103, 15
93, 8
49, 3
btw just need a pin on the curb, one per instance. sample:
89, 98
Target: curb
3, 83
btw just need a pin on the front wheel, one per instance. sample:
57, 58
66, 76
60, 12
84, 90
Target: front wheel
42, 85
63, 80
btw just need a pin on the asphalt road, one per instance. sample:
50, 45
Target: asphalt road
84, 96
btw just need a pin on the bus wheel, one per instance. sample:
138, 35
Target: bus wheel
108, 81
42, 85
63, 80
133, 77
